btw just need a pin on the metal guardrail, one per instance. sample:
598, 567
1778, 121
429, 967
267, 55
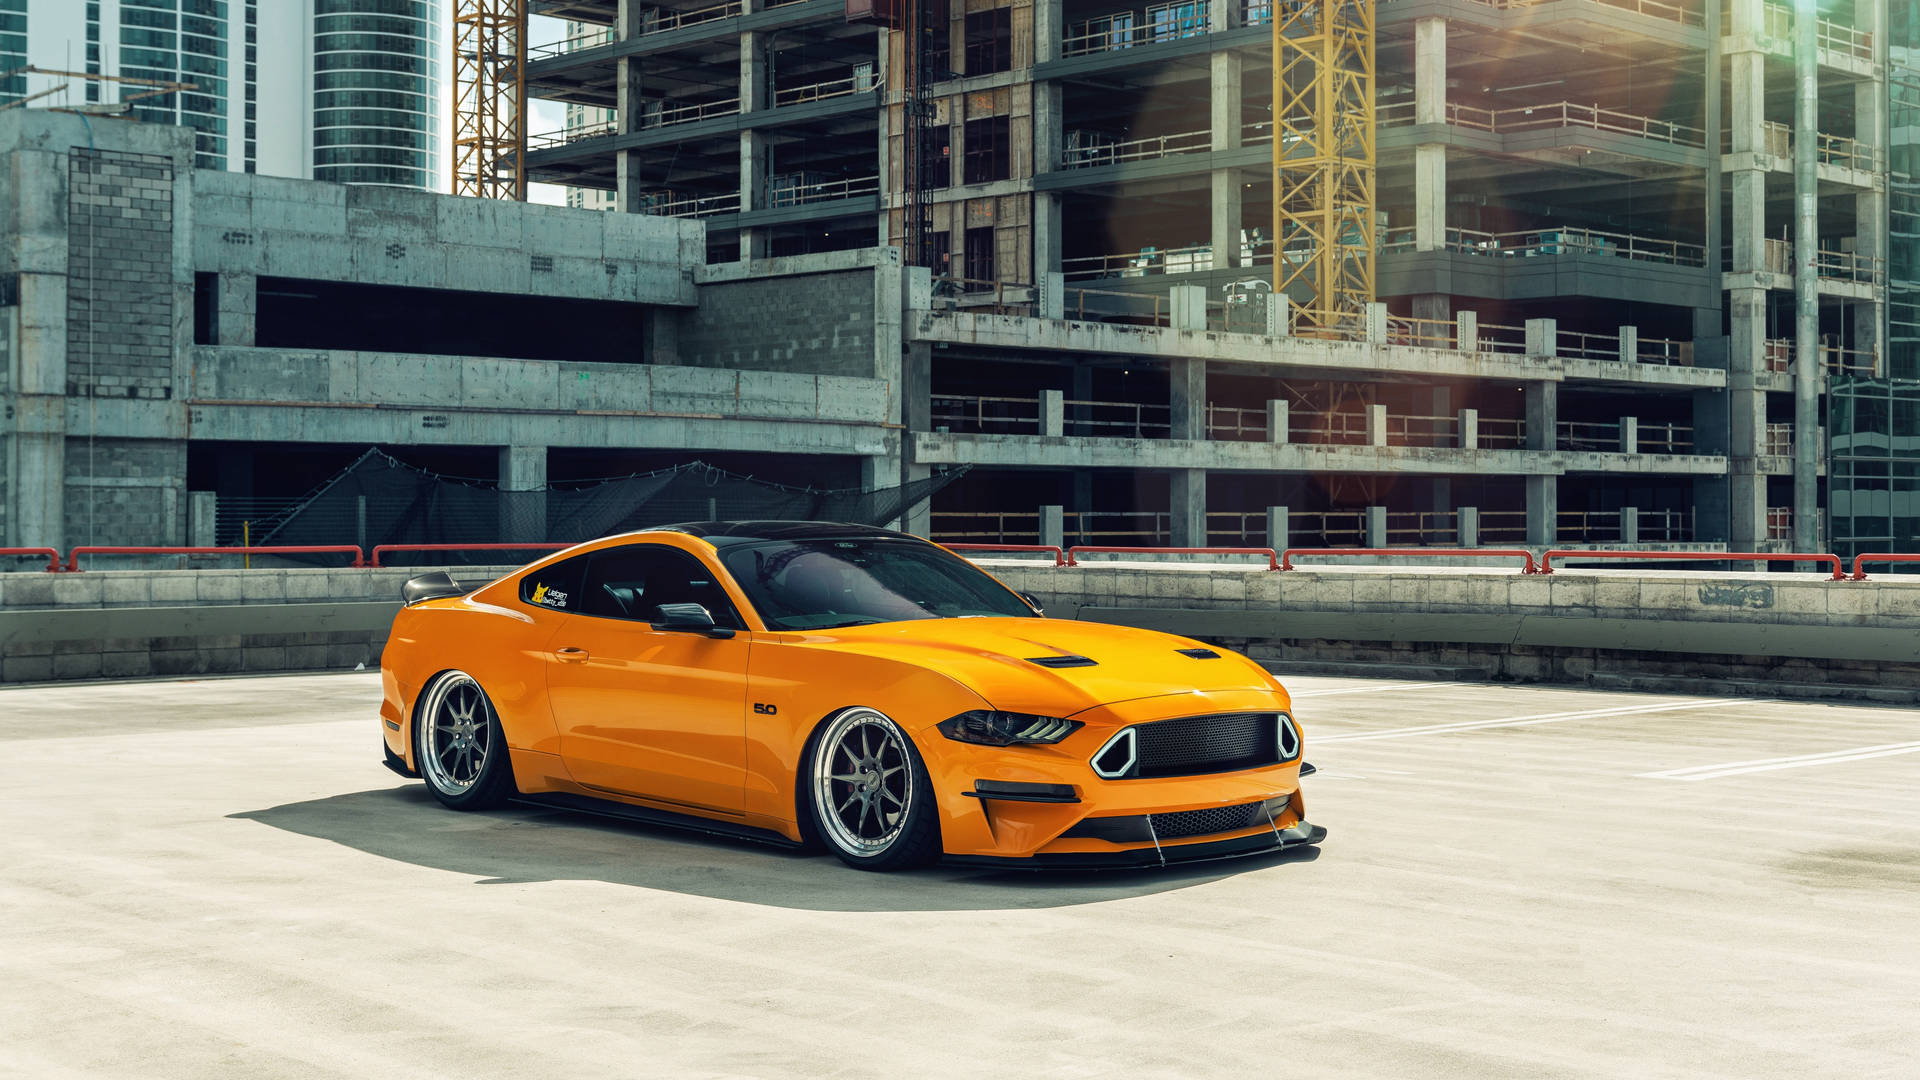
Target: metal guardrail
1073, 552
1555, 114
1547, 557
49, 554
359, 557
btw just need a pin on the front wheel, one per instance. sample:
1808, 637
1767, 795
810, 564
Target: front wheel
459, 747
871, 800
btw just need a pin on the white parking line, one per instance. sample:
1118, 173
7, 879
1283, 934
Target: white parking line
1736, 768
1370, 689
1527, 721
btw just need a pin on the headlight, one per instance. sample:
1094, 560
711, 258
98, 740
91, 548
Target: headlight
988, 728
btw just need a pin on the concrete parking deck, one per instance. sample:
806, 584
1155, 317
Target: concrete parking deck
218, 878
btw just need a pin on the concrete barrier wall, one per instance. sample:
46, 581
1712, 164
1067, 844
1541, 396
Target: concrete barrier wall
1587, 626
132, 623
1603, 627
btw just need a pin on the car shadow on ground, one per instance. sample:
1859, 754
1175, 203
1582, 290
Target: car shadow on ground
528, 844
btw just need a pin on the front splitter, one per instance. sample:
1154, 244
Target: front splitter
1239, 847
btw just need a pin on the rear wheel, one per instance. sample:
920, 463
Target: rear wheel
871, 800
459, 747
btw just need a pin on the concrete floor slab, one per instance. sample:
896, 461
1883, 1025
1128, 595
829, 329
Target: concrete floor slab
218, 878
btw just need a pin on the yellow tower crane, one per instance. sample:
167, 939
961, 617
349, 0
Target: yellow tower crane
490, 98
1323, 158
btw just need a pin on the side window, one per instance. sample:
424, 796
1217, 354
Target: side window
632, 583
556, 586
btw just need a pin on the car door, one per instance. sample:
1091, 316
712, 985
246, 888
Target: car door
653, 713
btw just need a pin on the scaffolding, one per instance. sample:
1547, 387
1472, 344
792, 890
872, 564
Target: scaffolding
1323, 158
149, 88
489, 98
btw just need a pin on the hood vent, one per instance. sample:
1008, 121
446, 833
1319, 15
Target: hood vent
1063, 661
1199, 654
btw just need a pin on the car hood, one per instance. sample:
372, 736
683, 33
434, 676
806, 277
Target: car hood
994, 657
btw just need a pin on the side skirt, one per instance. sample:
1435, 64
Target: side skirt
645, 815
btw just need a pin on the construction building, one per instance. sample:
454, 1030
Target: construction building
1585, 215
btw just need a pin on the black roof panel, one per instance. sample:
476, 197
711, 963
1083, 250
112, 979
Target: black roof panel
728, 533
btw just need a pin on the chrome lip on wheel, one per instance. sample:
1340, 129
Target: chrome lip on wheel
458, 735
863, 784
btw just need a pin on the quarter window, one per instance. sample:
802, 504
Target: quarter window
556, 586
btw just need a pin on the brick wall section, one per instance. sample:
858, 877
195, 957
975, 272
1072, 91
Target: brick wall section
126, 491
820, 324
120, 277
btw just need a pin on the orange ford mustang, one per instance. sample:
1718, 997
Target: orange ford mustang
801, 682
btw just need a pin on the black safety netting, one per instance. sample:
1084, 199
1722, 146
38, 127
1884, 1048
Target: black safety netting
382, 500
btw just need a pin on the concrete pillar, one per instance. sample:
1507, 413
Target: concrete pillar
1466, 525
1053, 529
756, 87
1046, 235
1629, 344
1629, 524
33, 437
1279, 315
755, 163
1376, 527
203, 511
1543, 510
1870, 207
1543, 338
1277, 421
1187, 499
1226, 118
1053, 295
1049, 127
1806, 361
1376, 434
1225, 201
1187, 396
523, 493
236, 308
1629, 434
1466, 331
630, 180
1543, 415
1429, 158
1376, 324
1188, 306
1277, 528
1049, 26
1053, 414
1467, 429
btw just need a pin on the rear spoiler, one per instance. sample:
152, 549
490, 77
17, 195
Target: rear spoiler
435, 586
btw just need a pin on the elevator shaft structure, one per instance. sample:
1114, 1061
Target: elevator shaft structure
1323, 158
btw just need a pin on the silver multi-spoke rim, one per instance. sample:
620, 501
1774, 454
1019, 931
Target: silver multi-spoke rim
456, 733
863, 781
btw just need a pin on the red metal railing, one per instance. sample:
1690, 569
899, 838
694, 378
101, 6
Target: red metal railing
1860, 561
1059, 557
1286, 559
52, 556
1273, 561
1546, 558
73, 557
383, 549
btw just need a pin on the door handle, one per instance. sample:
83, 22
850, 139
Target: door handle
571, 655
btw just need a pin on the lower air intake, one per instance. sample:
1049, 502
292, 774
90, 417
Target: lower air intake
1215, 819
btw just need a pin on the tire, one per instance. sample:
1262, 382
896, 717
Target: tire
868, 795
459, 746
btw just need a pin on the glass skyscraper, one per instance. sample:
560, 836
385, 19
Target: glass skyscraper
1874, 424
344, 90
376, 91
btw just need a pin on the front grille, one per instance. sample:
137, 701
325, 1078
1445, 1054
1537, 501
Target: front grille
1214, 819
1207, 744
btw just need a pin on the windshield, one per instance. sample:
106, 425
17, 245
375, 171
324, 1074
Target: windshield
819, 584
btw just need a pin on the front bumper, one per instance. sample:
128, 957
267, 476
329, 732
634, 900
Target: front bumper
1293, 836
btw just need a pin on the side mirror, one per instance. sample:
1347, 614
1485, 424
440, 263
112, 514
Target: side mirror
690, 619
1034, 603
